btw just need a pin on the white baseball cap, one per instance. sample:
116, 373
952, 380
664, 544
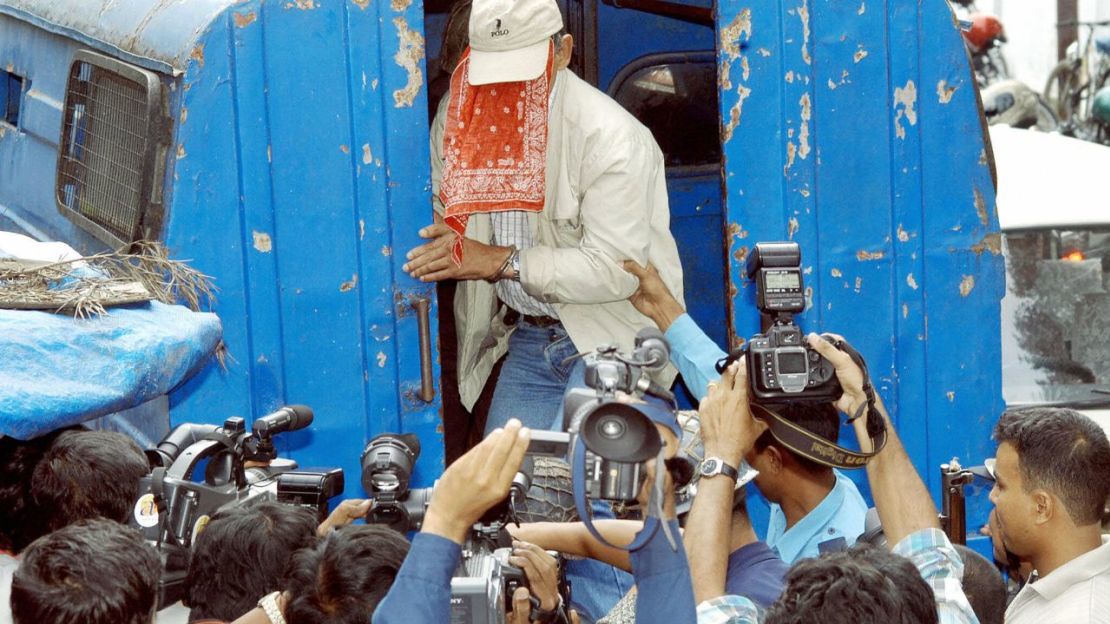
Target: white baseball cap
509, 39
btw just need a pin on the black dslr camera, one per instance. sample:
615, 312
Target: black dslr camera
781, 365
176, 501
483, 585
618, 435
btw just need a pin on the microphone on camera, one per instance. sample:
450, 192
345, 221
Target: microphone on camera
288, 418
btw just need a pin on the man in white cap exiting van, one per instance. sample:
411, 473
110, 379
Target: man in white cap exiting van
542, 187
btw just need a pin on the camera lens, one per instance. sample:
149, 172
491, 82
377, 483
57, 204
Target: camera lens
611, 428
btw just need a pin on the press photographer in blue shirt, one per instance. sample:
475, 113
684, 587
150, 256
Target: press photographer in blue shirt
814, 508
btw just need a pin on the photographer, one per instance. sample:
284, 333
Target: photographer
814, 508
242, 556
475, 482
93, 572
863, 584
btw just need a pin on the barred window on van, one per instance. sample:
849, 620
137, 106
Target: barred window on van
111, 159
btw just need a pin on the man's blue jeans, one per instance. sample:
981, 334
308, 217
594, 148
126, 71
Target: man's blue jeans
530, 389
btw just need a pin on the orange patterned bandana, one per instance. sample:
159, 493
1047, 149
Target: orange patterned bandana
494, 148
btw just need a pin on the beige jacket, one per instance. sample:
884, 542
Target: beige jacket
606, 202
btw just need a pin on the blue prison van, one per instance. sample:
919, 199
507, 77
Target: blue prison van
281, 146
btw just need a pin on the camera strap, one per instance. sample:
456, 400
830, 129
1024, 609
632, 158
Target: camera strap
814, 447
655, 503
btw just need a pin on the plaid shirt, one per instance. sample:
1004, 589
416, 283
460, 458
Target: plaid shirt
929, 550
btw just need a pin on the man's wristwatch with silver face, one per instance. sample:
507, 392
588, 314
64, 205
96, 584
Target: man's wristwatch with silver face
713, 466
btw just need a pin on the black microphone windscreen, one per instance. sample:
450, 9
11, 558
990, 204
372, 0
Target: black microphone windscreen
303, 416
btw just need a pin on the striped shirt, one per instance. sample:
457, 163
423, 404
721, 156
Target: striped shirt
511, 227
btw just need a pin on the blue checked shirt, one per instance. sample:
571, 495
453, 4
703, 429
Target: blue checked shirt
929, 550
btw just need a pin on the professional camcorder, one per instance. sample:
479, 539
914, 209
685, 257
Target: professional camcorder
612, 417
782, 367
483, 585
239, 468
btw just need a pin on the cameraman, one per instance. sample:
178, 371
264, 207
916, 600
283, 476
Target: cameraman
474, 483
864, 584
814, 508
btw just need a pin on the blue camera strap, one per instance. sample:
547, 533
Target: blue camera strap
654, 510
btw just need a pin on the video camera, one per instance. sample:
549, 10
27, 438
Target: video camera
239, 468
483, 585
782, 367
611, 418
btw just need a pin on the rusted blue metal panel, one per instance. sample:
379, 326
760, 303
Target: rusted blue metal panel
852, 128
285, 117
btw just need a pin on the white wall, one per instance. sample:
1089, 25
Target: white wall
1031, 29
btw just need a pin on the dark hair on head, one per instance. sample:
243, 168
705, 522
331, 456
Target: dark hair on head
93, 572
87, 474
1064, 452
821, 419
983, 586
345, 576
18, 458
456, 36
242, 555
862, 585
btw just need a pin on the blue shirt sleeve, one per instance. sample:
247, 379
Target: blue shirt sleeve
693, 354
421, 593
665, 591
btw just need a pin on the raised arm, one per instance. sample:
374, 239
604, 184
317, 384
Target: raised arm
573, 538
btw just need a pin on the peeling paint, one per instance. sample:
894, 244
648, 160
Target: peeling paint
400, 5
945, 92
198, 55
905, 98
350, 284
730, 46
367, 156
859, 285
181, 151
860, 54
803, 14
791, 228
184, 115
991, 242
981, 207
344, 149
903, 235
746, 70
911, 282
262, 242
764, 52
740, 256
409, 55
835, 272
791, 151
243, 20
905, 310
269, 153
803, 192
304, 5
735, 230
862, 8
374, 84
951, 396
983, 157
734, 113
865, 256
361, 229
966, 285
381, 359
803, 132
789, 76
387, 251
361, 4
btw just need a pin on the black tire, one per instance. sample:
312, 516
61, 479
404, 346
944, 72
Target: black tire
551, 498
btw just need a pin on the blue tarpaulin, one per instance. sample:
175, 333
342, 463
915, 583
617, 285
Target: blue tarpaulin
56, 370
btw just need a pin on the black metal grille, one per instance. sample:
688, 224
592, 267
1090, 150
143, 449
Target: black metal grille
105, 164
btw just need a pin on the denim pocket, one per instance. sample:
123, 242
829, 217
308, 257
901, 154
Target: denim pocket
557, 354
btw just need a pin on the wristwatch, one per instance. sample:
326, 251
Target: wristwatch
514, 262
713, 466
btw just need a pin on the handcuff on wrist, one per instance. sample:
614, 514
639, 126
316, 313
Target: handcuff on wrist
513, 260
